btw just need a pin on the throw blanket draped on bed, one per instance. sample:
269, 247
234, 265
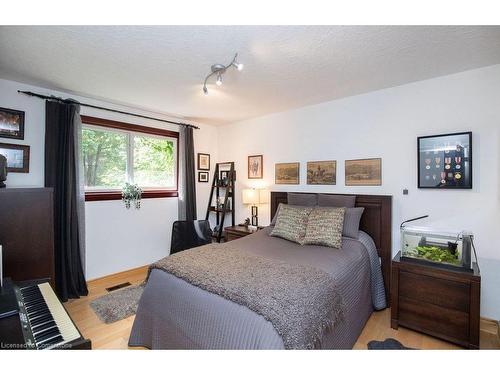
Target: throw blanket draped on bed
301, 302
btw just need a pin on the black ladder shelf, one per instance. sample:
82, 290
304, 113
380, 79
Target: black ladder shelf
227, 206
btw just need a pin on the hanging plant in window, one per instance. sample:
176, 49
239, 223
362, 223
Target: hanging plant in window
132, 193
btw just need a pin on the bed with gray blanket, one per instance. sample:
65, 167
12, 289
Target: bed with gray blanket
180, 310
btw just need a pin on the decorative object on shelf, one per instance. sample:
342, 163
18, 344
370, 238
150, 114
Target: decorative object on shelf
224, 177
203, 162
18, 157
11, 123
3, 177
255, 167
132, 193
247, 222
202, 176
220, 70
445, 161
363, 172
287, 174
322, 172
255, 197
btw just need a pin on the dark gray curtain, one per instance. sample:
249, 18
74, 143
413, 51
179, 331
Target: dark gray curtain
189, 175
61, 173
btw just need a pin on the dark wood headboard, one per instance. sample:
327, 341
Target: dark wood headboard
376, 221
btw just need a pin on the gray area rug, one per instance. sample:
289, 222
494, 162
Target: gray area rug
387, 344
117, 305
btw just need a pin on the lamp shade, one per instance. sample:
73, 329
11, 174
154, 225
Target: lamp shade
264, 196
250, 196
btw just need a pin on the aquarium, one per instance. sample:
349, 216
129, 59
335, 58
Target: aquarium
446, 249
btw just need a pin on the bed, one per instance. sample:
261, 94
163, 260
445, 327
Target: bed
174, 314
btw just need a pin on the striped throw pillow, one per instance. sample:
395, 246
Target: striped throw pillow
291, 223
324, 227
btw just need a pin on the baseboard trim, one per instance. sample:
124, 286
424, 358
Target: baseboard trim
491, 326
140, 268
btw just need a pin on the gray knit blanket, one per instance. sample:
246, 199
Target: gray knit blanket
301, 302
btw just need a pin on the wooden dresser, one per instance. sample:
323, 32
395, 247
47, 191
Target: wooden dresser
439, 302
27, 233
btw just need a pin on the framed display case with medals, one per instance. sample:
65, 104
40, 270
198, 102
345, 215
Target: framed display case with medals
445, 161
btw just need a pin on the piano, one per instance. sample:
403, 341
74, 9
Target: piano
41, 320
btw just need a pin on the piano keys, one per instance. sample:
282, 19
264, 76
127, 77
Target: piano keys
45, 324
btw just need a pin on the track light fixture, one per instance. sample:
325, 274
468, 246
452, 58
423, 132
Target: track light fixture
219, 70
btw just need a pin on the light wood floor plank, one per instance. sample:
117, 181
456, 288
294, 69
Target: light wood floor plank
115, 335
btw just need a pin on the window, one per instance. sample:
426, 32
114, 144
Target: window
114, 153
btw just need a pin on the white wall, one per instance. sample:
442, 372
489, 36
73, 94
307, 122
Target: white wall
386, 124
117, 239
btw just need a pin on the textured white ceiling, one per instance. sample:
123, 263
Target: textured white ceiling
162, 68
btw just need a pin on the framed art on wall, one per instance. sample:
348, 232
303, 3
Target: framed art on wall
202, 176
203, 162
322, 172
287, 174
445, 161
18, 157
363, 172
11, 123
255, 167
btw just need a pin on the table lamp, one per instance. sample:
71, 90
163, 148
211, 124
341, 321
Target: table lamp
255, 197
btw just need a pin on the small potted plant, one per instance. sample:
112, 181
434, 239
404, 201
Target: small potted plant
132, 193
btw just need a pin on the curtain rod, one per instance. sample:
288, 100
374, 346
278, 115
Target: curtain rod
29, 93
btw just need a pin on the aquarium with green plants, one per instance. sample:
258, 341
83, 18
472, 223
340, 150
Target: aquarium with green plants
447, 249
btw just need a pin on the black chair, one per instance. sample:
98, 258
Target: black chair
189, 234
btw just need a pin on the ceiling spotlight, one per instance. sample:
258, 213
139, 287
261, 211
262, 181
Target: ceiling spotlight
220, 69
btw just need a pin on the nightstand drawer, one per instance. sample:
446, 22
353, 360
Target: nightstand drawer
446, 323
231, 236
445, 293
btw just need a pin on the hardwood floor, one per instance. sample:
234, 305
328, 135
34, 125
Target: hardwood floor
115, 335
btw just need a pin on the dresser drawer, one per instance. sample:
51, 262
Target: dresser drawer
441, 292
439, 321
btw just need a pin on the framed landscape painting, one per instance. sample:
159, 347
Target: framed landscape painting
363, 172
322, 172
255, 169
287, 174
203, 162
11, 123
445, 161
18, 157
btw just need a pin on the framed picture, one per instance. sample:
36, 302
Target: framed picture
203, 162
363, 172
322, 172
287, 174
11, 123
255, 167
224, 176
445, 161
18, 157
202, 176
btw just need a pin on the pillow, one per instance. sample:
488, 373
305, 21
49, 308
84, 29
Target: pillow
302, 199
291, 223
351, 222
324, 227
273, 221
330, 200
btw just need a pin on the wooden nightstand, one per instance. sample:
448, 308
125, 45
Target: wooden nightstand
233, 233
439, 302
